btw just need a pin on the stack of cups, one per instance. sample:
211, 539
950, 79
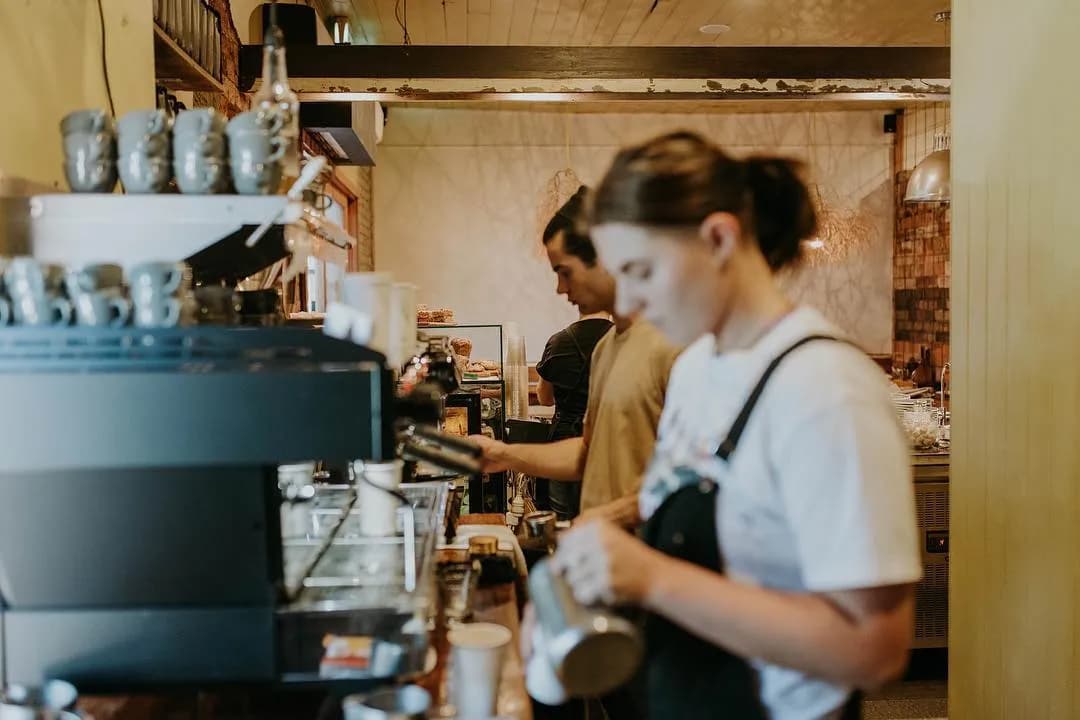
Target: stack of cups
402, 324
369, 292
477, 657
517, 374
89, 151
145, 157
199, 155
159, 293
97, 293
35, 289
256, 149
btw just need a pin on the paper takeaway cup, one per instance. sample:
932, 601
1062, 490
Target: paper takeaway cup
478, 651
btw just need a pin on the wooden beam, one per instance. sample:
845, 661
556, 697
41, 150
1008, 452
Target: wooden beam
314, 66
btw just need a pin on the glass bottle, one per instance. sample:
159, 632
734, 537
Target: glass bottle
276, 97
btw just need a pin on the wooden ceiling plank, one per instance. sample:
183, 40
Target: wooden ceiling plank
478, 22
502, 12
587, 22
521, 22
457, 27
639, 10
704, 13
390, 30
653, 22
566, 20
614, 14
543, 21
669, 31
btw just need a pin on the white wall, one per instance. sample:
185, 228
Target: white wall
457, 190
50, 64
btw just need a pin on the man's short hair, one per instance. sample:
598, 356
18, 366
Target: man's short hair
571, 221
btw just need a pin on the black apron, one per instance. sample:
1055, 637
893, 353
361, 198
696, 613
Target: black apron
565, 497
688, 678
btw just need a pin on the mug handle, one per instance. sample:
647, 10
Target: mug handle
172, 317
173, 283
212, 177
277, 121
5, 312
278, 143
122, 308
157, 124
62, 308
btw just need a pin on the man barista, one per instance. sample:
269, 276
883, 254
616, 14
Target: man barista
629, 372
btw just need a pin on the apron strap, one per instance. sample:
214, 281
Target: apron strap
727, 447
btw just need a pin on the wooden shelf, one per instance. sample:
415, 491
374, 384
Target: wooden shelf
177, 70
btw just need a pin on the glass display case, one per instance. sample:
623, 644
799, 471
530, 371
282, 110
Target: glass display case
479, 351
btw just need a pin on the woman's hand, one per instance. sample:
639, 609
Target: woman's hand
606, 565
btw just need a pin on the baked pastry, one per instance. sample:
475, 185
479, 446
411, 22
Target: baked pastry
462, 347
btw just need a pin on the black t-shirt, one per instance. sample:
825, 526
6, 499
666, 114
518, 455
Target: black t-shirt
565, 364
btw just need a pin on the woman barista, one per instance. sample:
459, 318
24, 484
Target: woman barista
780, 519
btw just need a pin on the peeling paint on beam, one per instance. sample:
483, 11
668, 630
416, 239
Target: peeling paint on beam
388, 89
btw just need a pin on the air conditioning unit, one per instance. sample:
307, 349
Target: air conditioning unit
350, 130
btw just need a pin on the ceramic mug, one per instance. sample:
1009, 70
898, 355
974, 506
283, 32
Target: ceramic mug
25, 276
153, 281
199, 163
101, 309
41, 310
94, 277
160, 312
201, 121
144, 131
89, 151
256, 149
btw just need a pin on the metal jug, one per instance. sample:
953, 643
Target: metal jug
592, 650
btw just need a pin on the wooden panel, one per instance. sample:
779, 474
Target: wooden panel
543, 21
478, 22
652, 23
455, 13
565, 22
614, 14
631, 22
390, 31
502, 12
521, 21
1015, 540
587, 21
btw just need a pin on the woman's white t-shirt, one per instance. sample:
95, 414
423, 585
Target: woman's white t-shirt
818, 495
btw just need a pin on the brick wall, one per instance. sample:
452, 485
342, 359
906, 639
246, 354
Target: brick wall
365, 223
921, 272
232, 101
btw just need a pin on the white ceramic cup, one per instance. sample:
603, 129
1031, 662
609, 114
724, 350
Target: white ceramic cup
478, 651
369, 292
378, 508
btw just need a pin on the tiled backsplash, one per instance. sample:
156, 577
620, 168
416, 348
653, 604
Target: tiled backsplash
921, 272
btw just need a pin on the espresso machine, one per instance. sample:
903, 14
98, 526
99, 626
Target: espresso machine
141, 510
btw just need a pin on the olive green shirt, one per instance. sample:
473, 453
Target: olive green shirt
627, 383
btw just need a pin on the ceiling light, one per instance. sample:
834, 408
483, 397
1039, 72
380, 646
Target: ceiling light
714, 29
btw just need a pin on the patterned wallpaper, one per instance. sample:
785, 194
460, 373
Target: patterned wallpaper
456, 193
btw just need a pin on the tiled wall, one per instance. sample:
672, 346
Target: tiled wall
921, 266
457, 193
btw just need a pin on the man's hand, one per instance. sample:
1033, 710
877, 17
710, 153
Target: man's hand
494, 453
623, 512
